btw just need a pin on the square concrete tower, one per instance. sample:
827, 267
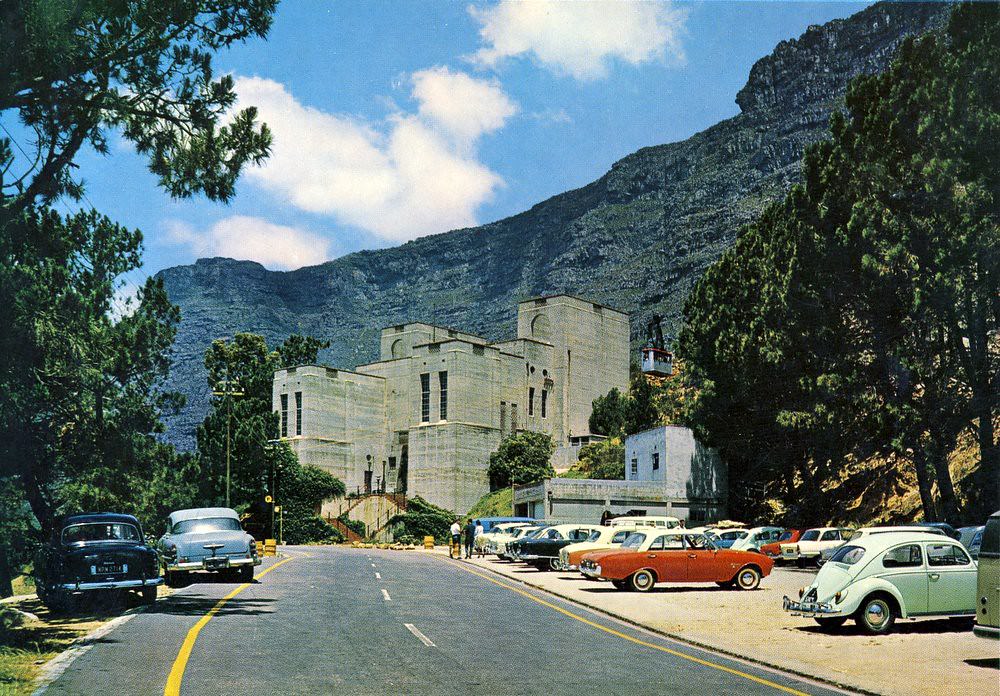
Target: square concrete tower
590, 354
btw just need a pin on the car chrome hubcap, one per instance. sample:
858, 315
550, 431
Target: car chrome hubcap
747, 578
643, 580
876, 614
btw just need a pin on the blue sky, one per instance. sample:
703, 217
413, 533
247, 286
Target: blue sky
393, 120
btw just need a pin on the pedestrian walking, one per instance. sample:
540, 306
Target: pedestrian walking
455, 550
470, 537
479, 532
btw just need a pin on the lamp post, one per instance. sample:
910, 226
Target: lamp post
228, 389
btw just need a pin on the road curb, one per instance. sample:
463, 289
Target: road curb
683, 639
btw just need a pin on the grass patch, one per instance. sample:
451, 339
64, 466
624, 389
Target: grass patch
496, 504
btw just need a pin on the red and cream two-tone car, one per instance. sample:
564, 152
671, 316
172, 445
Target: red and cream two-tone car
675, 555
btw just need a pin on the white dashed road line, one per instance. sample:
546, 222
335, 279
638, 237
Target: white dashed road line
420, 636
385, 595
378, 576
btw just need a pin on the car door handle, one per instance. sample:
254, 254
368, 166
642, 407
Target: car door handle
692, 555
652, 555
935, 576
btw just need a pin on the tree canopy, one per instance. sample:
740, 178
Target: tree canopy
860, 313
74, 71
523, 457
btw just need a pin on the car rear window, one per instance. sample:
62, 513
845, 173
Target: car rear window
848, 555
785, 536
811, 535
100, 531
206, 524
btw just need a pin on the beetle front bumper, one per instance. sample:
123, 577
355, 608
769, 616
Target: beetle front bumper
809, 609
110, 584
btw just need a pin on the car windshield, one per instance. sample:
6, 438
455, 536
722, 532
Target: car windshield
100, 531
848, 555
785, 536
811, 535
634, 541
594, 535
206, 524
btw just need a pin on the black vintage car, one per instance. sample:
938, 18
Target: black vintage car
543, 551
94, 552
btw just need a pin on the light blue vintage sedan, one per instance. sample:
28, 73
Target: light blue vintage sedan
879, 578
209, 539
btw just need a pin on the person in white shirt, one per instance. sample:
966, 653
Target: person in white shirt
475, 538
456, 537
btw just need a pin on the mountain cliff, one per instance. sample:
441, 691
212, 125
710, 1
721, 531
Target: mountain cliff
636, 239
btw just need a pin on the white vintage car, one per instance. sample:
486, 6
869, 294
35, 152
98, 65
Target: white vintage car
498, 544
485, 540
605, 538
812, 543
882, 577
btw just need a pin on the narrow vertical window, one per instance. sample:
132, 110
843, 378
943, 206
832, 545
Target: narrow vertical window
425, 397
284, 415
531, 401
656, 461
298, 413
513, 418
545, 395
443, 386
503, 419
635, 467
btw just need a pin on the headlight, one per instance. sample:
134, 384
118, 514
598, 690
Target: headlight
840, 596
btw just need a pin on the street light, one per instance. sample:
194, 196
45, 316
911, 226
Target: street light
229, 389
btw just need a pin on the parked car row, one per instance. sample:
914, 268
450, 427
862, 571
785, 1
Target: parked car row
873, 575
107, 552
635, 553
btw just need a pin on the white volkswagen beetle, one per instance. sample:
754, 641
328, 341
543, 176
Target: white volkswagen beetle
882, 577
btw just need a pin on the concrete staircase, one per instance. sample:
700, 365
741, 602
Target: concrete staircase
374, 509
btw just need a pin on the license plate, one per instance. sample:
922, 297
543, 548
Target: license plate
108, 569
216, 562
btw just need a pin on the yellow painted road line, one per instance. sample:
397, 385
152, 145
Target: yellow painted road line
633, 639
173, 687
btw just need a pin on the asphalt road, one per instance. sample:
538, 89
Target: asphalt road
360, 621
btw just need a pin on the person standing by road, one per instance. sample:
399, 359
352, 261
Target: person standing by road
470, 537
456, 539
475, 539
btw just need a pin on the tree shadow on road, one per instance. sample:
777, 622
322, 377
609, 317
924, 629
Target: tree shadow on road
182, 605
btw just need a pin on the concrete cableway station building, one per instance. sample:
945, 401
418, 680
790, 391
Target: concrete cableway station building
424, 419
667, 473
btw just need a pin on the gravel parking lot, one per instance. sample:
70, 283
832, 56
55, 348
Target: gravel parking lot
923, 656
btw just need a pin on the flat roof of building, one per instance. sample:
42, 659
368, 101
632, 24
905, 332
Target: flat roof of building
572, 297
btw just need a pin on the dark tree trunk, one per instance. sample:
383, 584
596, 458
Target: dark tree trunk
937, 456
6, 574
924, 486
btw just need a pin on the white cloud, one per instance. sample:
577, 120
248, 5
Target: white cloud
580, 38
463, 106
252, 239
414, 174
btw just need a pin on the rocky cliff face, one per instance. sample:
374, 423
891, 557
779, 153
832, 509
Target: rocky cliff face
636, 239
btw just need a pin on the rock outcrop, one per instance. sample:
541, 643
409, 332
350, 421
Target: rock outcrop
637, 238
